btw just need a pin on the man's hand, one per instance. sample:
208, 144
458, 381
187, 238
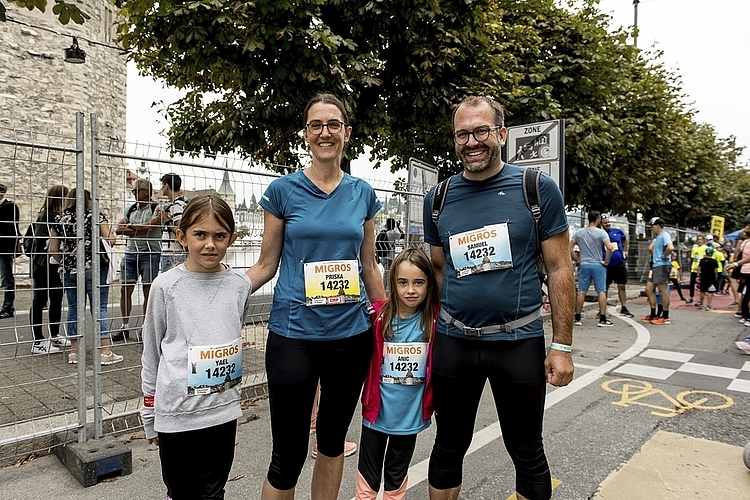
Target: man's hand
154, 441
558, 366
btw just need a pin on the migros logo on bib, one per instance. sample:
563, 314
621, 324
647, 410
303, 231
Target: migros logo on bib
403, 349
484, 234
333, 268
223, 352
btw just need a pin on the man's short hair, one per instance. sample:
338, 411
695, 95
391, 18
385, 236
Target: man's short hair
3, 187
475, 101
172, 180
593, 215
142, 183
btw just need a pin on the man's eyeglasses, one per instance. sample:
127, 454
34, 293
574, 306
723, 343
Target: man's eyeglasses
480, 134
316, 127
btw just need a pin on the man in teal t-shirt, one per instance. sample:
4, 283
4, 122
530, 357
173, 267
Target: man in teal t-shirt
661, 259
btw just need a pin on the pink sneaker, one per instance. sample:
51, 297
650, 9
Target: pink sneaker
744, 346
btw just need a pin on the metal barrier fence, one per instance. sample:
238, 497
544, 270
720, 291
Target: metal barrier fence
44, 401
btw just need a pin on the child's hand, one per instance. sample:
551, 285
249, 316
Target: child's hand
154, 441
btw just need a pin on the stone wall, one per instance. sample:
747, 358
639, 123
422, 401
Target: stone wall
40, 95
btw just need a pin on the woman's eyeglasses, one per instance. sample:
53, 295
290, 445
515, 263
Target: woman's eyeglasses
316, 127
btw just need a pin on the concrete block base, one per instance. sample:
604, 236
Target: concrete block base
96, 460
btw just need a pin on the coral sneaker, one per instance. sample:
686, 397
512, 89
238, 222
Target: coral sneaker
648, 319
661, 321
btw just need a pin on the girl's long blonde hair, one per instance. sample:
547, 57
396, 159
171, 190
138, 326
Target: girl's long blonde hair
418, 258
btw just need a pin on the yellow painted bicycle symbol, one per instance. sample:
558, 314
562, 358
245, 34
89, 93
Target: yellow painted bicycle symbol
634, 392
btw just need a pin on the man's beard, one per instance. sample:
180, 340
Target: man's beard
476, 167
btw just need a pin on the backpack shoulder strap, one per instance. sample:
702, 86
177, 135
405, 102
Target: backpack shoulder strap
438, 198
531, 197
134, 207
130, 211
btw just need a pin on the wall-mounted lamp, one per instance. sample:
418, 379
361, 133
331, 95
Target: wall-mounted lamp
74, 54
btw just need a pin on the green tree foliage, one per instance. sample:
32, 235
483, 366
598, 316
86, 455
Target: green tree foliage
64, 11
399, 65
632, 143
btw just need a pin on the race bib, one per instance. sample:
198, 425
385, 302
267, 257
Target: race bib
214, 368
613, 245
332, 282
480, 250
404, 363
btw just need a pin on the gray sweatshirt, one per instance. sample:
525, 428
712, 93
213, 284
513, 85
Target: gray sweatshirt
189, 309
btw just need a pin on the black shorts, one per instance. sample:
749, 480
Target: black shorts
617, 274
708, 283
736, 273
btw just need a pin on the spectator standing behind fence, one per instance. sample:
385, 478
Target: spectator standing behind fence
393, 233
617, 270
592, 241
9, 238
490, 325
63, 247
168, 217
45, 274
661, 260
192, 356
319, 224
142, 254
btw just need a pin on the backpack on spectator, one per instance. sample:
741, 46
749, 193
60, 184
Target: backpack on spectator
134, 207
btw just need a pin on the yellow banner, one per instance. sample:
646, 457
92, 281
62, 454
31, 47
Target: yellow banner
717, 227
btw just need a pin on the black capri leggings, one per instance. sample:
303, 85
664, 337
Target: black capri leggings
294, 368
388, 454
515, 370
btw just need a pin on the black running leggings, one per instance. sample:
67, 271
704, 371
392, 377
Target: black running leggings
515, 370
195, 464
676, 286
294, 368
47, 286
388, 454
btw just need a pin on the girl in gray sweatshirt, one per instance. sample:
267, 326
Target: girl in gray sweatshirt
192, 355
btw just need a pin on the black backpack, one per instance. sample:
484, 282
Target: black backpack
134, 207
382, 245
530, 196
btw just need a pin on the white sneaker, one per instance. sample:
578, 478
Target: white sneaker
111, 358
43, 347
60, 341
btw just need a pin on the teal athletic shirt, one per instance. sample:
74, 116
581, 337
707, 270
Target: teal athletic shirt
401, 405
501, 295
318, 227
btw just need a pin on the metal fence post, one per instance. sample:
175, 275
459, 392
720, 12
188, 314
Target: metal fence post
95, 276
81, 277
